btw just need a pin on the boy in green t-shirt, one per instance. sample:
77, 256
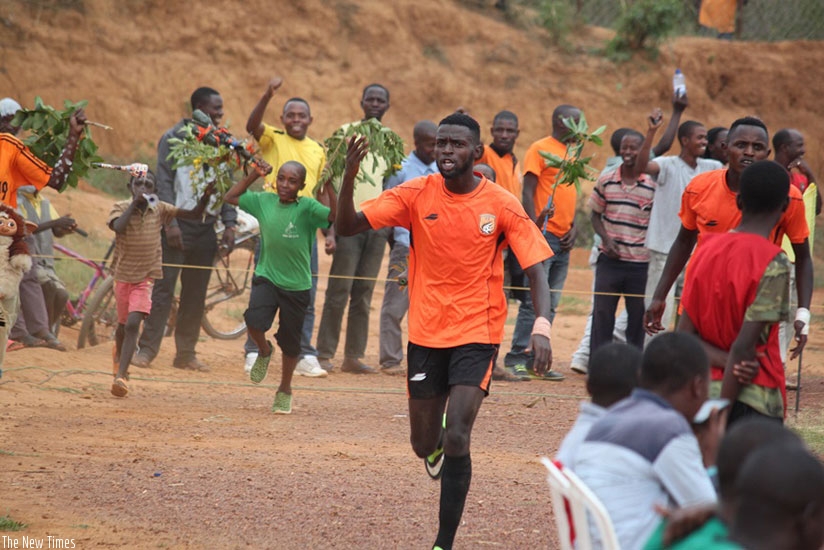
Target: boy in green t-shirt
288, 224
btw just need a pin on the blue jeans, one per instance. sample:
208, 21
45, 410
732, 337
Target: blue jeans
556, 269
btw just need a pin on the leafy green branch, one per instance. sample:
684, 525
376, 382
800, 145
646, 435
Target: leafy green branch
384, 144
48, 132
573, 167
206, 162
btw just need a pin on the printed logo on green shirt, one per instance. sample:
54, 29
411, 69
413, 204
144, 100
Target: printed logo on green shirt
291, 231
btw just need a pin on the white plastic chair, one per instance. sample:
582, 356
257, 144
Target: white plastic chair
565, 486
559, 489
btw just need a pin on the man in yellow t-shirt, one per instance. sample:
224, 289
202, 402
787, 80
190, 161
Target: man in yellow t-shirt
278, 147
553, 209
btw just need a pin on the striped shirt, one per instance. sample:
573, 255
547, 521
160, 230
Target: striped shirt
625, 212
137, 251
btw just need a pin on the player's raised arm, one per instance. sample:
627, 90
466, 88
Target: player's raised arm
348, 220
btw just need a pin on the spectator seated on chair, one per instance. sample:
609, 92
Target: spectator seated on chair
612, 375
643, 451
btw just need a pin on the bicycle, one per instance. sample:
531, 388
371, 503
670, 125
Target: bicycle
73, 313
227, 297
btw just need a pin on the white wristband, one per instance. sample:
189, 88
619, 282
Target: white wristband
803, 314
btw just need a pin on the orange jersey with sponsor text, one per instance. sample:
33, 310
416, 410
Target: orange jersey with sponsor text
709, 206
456, 274
507, 170
565, 197
19, 167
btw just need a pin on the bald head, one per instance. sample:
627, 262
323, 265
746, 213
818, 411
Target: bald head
424, 129
486, 171
424, 134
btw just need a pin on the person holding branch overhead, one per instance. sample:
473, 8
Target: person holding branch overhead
460, 223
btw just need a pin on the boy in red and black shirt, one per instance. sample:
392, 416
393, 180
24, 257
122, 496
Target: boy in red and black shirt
737, 292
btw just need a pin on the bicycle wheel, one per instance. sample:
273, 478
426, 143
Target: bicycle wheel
100, 316
228, 294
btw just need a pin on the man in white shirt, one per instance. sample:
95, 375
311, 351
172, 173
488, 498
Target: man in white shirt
672, 174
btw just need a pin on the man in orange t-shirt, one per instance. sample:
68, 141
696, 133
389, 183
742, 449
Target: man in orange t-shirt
709, 206
458, 224
19, 166
541, 202
499, 154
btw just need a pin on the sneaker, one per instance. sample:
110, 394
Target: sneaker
356, 366
141, 361
261, 366
309, 366
326, 364
434, 462
119, 388
579, 368
250, 360
549, 376
282, 404
393, 370
520, 371
502, 374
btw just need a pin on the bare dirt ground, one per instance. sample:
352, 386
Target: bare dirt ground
198, 460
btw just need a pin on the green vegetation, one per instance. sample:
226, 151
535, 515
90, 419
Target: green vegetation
642, 25
209, 162
575, 304
574, 166
557, 17
383, 143
8, 524
808, 426
48, 132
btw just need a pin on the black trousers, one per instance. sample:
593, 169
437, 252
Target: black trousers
614, 278
199, 249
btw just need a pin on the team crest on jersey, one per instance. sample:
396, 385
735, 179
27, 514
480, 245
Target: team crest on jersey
487, 224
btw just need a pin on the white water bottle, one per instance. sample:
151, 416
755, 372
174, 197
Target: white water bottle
679, 84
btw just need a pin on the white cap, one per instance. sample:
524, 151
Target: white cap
8, 107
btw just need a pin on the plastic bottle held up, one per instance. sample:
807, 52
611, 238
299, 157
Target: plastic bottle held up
679, 83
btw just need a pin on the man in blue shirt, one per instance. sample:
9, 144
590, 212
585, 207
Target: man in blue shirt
420, 162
